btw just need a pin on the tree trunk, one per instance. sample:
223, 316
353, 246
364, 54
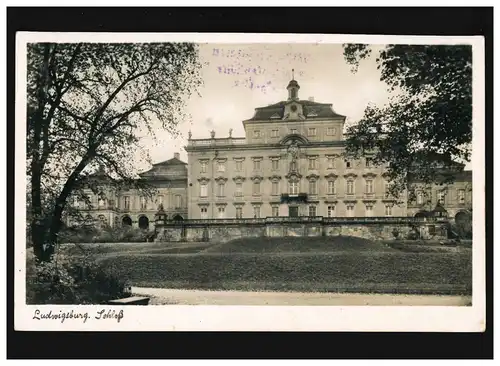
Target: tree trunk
38, 228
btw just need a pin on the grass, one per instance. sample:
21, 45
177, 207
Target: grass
299, 245
336, 264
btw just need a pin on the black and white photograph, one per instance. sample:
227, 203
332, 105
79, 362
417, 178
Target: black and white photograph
249, 172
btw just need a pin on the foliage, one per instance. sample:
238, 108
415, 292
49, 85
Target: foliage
89, 105
73, 280
427, 123
122, 234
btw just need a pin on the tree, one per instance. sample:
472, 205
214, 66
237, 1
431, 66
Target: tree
88, 104
427, 124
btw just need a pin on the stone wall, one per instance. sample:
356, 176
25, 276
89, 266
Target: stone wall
374, 228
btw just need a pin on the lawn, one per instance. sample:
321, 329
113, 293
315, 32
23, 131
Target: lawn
337, 264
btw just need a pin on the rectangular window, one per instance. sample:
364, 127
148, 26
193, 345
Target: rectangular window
256, 212
275, 164
369, 162
178, 201
330, 162
350, 210
330, 131
203, 190
221, 167
350, 187
143, 203
256, 188
312, 163
275, 188
312, 210
420, 198
331, 187
221, 211
369, 210
369, 186
387, 190
388, 210
239, 212
220, 189
276, 211
331, 211
293, 188
311, 131
239, 190
203, 212
256, 134
203, 166
160, 200
293, 131
312, 187
274, 133
256, 165
348, 164
441, 198
126, 203
432, 230
461, 196
239, 165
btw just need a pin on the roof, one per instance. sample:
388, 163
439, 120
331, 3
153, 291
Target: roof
172, 168
173, 161
293, 83
320, 110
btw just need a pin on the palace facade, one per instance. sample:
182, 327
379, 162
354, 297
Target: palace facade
116, 207
289, 163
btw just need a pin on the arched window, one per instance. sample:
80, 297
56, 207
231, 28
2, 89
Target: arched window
126, 221
143, 222
103, 220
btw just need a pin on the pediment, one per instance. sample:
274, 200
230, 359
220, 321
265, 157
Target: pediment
369, 175
239, 178
220, 179
312, 176
331, 176
293, 176
256, 178
350, 175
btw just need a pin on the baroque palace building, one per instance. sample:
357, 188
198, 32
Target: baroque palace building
117, 207
290, 164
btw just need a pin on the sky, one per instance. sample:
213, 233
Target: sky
237, 78
241, 77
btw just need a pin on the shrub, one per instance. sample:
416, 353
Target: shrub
73, 280
395, 232
106, 235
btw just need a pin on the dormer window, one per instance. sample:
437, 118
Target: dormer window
256, 134
312, 113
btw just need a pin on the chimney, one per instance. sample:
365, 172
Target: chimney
177, 156
311, 99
